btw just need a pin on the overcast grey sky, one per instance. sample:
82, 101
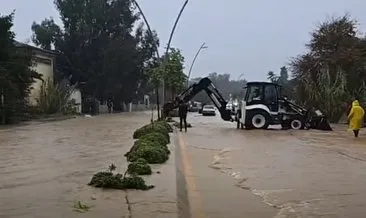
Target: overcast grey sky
250, 37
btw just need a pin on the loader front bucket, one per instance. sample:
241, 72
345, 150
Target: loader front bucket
319, 121
322, 124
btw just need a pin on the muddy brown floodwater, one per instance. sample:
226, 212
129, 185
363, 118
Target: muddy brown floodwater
306, 173
44, 168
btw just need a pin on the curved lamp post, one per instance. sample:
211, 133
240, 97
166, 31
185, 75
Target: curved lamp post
148, 26
170, 40
203, 46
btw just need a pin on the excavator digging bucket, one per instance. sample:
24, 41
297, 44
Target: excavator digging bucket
319, 121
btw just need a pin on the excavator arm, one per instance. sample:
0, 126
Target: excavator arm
206, 85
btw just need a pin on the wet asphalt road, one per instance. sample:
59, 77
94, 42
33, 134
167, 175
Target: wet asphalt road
275, 173
234, 173
45, 168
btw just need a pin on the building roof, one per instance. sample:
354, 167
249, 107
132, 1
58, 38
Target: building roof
41, 50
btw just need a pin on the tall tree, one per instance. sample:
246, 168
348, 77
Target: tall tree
16, 75
99, 47
46, 34
333, 69
271, 76
175, 78
283, 79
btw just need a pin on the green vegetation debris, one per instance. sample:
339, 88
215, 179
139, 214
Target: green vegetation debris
81, 208
152, 154
150, 128
169, 120
164, 124
110, 181
139, 167
152, 143
156, 137
177, 124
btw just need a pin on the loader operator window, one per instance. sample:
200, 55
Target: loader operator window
255, 94
270, 94
270, 97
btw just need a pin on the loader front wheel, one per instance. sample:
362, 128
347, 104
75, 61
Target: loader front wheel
258, 119
297, 124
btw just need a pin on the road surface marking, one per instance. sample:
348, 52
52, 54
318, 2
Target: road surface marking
194, 197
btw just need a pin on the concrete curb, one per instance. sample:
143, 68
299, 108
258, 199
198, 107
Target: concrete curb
161, 201
182, 194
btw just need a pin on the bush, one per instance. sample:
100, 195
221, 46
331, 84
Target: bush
156, 137
150, 128
136, 182
56, 98
139, 167
152, 154
110, 181
146, 143
164, 124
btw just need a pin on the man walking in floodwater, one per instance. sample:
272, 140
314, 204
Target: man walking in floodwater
356, 117
183, 110
110, 105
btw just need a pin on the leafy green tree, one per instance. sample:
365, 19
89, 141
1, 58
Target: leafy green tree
271, 76
332, 72
99, 47
46, 34
283, 79
16, 75
174, 77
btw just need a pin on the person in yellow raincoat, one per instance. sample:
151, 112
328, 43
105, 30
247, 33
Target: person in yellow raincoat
356, 117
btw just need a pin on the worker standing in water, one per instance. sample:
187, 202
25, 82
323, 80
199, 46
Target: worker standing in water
183, 110
356, 117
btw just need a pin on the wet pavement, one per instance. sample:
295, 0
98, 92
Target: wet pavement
274, 173
44, 169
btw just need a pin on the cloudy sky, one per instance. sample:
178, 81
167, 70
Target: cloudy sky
250, 37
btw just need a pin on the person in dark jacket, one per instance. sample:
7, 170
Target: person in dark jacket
183, 109
110, 105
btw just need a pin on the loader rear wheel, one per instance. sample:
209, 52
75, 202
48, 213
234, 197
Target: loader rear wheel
258, 119
297, 124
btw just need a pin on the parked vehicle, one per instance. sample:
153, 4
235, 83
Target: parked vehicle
208, 110
194, 107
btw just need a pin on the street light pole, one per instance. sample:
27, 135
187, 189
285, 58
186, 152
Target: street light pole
156, 51
170, 40
148, 26
203, 46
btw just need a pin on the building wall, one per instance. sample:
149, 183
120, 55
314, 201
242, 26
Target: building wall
43, 64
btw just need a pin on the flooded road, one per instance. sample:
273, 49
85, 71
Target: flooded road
44, 168
277, 173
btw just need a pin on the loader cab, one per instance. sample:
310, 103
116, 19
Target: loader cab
260, 106
263, 93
